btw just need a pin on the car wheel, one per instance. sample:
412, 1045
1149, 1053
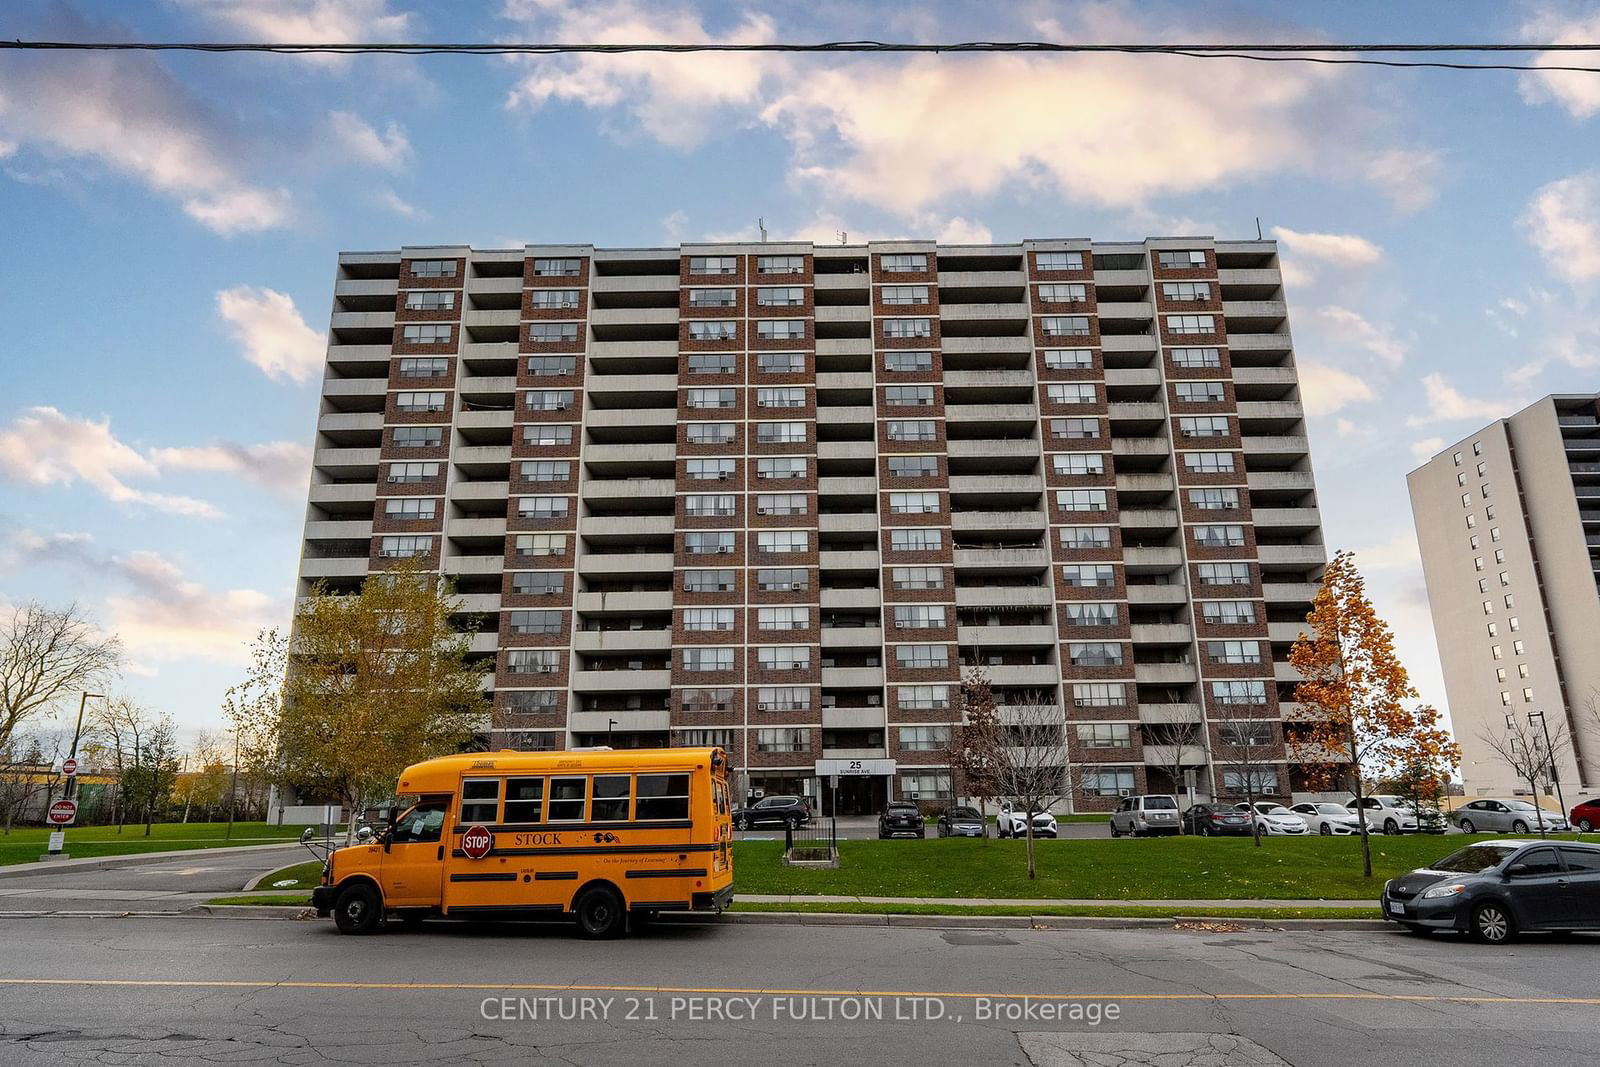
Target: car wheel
1519, 827
358, 909
923, 833
1491, 924
793, 822
1114, 831
1467, 827
1391, 827
600, 913
1326, 829
1419, 929
1205, 831
1586, 826
739, 823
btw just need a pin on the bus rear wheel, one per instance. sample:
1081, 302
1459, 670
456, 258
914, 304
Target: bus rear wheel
600, 913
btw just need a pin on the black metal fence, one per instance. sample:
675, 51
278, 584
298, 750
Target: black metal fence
818, 834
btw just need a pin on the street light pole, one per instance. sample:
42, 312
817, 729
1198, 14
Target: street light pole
609, 724
1549, 751
70, 790
233, 790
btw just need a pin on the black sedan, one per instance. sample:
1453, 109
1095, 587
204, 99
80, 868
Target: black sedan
773, 811
1495, 890
901, 820
961, 822
1207, 820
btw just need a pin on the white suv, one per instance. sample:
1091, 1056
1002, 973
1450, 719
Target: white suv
1153, 814
1010, 823
1387, 813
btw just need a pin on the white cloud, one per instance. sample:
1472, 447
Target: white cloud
1562, 221
675, 224
392, 201
282, 466
298, 21
1577, 92
1325, 390
390, 149
45, 447
273, 335
1427, 448
1339, 249
962, 231
1409, 177
1447, 404
1399, 551
1344, 327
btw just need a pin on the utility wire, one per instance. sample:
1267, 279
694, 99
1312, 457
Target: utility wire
1332, 54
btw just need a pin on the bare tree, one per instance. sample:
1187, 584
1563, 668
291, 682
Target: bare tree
27, 770
974, 741
1522, 747
1246, 750
120, 726
45, 654
1031, 760
1182, 729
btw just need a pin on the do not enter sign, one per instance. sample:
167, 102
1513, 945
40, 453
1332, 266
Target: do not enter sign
62, 812
476, 841
69, 767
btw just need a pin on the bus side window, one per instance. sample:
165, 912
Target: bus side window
566, 799
610, 802
663, 796
480, 800
524, 799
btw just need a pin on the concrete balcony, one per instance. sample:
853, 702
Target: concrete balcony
1042, 675
1292, 555
970, 413
1144, 411
345, 459
848, 523
832, 415
851, 598
1264, 376
1286, 481
350, 357
599, 317
846, 486
501, 384
477, 603
343, 494
624, 602
1149, 518
1127, 342
500, 317
988, 379
1133, 377
1267, 313
1005, 596
629, 489
1169, 713
844, 346
1139, 446
482, 456
1172, 633
626, 455
631, 417
996, 483
362, 320
1259, 342
1284, 673
339, 530
825, 313
971, 521
366, 287
485, 420
1152, 559
476, 565
846, 450
335, 567
618, 682
475, 528
1252, 276
1001, 558
852, 636
603, 350
481, 285
1171, 755
1145, 483
1137, 310
1287, 519
992, 637
1285, 633
1160, 595
355, 387
977, 345
637, 720
845, 380
1289, 592
334, 422
844, 282
855, 561
638, 526
484, 643
853, 677
1278, 446
854, 753
480, 492
634, 283
1165, 673
981, 279
612, 564
1273, 410
981, 449
623, 640
612, 387
1121, 277
983, 312
852, 718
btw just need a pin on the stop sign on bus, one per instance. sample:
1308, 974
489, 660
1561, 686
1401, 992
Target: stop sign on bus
476, 841
62, 812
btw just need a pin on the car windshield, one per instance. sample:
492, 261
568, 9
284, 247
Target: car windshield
962, 813
1160, 804
1279, 810
902, 808
1519, 805
1332, 809
1474, 859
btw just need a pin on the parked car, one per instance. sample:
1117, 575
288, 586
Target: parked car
773, 811
961, 822
1209, 819
1328, 819
1387, 813
901, 819
1155, 813
1586, 815
1505, 816
1012, 824
1497, 889
1275, 819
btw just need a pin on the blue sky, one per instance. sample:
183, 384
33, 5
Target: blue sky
171, 225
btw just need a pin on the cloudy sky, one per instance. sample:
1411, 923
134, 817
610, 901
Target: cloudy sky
170, 226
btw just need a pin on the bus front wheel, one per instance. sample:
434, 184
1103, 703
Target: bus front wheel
600, 913
358, 910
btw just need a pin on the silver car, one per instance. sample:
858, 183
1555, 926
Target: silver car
1137, 816
1504, 816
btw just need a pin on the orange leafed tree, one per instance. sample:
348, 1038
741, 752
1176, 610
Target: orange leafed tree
1355, 693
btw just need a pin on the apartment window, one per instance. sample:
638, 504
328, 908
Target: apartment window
710, 398
1065, 325
707, 505
1458, 459
552, 332
781, 467
923, 697
402, 473
908, 396
932, 785
915, 540
1477, 563
780, 264
1081, 499
1063, 293
904, 263
1094, 653
1219, 535
546, 299
911, 430
783, 698
533, 661
1071, 392
1500, 674
1527, 696
1099, 695
1088, 574
1085, 537
1068, 358
1195, 357
907, 361
1482, 469
1513, 624
787, 739
1511, 600
1522, 670
1252, 691
921, 657
782, 541
787, 618
1203, 426
405, 545
1059, 260
536, 622
1209, 462
708, 469
1235, 652
1484, 490
708, 542
1461, 479
1247, 733
1104, 735
426, 333
418, 436
707, 700
541, 544
913, 466
708, 581
913, 503
1494, 630
1186, 290
713, 298
781, 504
709, 433
712, 330
1518, 648
904, 294
1466, 500
557, 268
533, 700
712, 363
1214, 499
783, 657
1180, 324
783, 579
1186, 260
1494, 533
431, 299
924, 739
919, 617
1228, 612
708, 659
1223, 573
770, 433
1075, 428
1505, 578
1472, 522
1078, 463
908, 327
410, 508
538, 583
1092, 614
713, 264
551, 366
1496, 652
1488, 512
424, 367
433, 268
1263, 782
414, 402
1477, 448
781, 329
917, 577
548, 399
703, 619
706, 738
1505, 698
781, 362
793, 397
1198, 392
547, 435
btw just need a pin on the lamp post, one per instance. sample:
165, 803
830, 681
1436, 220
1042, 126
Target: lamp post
1549, 751
233, 789
58, 844
610, 724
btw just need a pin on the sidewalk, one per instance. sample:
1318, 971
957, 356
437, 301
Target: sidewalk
130, 859
1010, 902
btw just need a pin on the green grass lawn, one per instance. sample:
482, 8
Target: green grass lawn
25, 844
304, 875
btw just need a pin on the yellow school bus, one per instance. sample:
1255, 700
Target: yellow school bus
607, 837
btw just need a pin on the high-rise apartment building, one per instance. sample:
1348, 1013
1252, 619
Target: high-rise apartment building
1508, 520
776, 496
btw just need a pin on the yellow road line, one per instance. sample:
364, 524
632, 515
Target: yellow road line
537, 987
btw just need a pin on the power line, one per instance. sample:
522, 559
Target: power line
1332, 54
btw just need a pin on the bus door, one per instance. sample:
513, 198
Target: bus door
413, 857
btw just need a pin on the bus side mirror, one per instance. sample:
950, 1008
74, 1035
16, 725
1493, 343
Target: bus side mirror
307, 835
363, 834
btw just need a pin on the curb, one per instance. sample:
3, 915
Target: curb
250, 911
132, 859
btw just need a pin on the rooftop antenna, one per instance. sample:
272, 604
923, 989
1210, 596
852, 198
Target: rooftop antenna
1258, 227
761, 224
844, 237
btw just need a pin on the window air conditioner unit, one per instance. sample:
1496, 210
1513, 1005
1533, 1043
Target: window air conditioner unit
1124, 792
798, 666
761, 511
724, 475
723, 550
761, 707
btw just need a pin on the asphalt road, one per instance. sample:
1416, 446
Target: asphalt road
169, 885
185, 990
